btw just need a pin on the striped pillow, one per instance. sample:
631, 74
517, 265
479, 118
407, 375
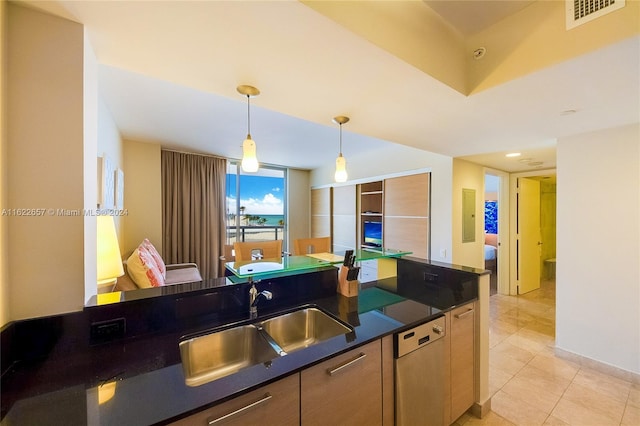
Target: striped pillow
156, 256
143, 270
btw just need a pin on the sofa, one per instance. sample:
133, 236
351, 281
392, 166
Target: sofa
145, 268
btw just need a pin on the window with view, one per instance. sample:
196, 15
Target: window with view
255, 204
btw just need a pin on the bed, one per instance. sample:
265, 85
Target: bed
491, 259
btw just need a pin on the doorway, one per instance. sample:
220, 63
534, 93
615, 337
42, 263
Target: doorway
528, 235
496, 219
533, 225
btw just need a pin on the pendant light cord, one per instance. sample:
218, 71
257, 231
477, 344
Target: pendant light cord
340, 138
248, 115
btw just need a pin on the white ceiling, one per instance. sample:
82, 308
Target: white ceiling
169, 72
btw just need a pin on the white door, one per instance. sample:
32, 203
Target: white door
528, 240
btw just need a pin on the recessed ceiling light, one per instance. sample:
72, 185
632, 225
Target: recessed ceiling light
568, 112
513, 154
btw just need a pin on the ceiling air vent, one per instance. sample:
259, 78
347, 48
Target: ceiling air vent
582, 11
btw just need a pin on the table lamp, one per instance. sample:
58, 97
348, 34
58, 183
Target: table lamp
108, 254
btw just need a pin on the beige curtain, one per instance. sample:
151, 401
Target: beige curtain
193, 210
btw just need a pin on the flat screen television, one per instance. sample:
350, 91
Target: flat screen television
372, 233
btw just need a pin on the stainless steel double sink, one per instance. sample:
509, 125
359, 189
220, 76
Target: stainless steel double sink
220, 353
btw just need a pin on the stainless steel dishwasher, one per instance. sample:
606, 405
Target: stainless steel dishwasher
419, 371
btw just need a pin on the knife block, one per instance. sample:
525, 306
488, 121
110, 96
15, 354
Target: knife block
348, 288
348, 309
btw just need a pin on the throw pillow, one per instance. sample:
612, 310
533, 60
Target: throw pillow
143, 269
156, 257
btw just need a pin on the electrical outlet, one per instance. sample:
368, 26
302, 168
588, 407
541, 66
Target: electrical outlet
104, 331
430, 277
443, 253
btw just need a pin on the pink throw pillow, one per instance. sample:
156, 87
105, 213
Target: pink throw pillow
143, 269
156, 257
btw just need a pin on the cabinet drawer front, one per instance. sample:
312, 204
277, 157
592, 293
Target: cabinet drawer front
273, 404
462, 359
344, 390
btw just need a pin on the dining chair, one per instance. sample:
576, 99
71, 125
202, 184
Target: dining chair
250, 250
302, 246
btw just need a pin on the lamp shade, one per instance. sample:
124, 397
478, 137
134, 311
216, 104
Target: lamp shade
249, 158
341, 169
106, 392
108, 254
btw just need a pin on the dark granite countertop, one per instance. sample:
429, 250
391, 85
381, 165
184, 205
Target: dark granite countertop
150, 383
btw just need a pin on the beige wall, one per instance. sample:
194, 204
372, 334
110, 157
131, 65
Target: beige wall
598, 246
299, 206
468, 175
90, 166
142, 195
5, 313
45, 163
110, 144
547, 221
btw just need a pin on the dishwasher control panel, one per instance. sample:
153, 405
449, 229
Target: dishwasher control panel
417, 337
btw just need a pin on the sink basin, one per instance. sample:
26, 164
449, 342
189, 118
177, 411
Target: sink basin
218, 354
212, 356
302, 328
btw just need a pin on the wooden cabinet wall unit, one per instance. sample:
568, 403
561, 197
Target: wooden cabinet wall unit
344, 218
406, 214
371, 198
346, 389
276, 404
320, 212
371, 204
461, 332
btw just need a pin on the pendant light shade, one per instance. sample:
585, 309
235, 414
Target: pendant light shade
249, 158
341, 162
341, 169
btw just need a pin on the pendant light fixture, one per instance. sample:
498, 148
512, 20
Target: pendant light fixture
341, 163
249, 159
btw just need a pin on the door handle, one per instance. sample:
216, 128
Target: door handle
332, 371
267, 396
466, 313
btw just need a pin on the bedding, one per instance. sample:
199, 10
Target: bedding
489, 252
491, 260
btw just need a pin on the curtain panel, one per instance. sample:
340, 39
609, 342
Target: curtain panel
193, 210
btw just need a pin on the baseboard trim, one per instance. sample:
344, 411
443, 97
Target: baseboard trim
480, 410
601, 367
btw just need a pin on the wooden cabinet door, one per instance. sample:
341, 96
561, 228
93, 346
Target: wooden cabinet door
407, 196
344, 217
462, 359
344, 390
407, 233
321, 212
406, 214
275, 404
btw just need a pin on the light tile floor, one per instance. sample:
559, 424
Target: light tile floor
531, 385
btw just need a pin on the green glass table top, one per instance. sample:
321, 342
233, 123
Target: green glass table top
251, 268
264, 268
378, 253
